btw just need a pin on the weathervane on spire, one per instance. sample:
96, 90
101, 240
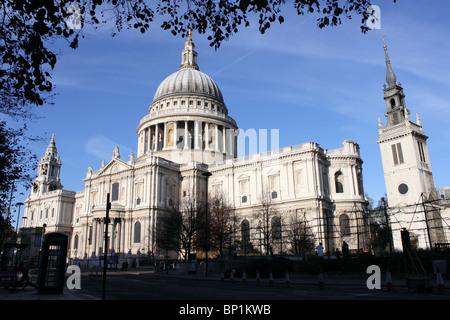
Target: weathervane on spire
390, 76
189, 33
189, 55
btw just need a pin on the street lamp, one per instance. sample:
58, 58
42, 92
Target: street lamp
19, 204
207, 175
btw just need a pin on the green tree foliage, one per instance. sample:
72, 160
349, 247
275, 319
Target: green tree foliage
15, 165
28, 28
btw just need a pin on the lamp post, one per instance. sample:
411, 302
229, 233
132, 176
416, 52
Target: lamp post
207, 175
18, 204
105, 251
388, 227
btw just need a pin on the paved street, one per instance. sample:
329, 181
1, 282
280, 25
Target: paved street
150, 286
146, 285
200, 297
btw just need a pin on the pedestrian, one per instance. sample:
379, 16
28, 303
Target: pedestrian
345, 249
338, 253
319, 249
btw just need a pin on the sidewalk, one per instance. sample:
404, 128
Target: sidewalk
30, 293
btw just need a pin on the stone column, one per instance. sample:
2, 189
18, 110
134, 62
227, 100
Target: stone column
165, 136
197, 128
224, 140
206, 137
216, 139
94, 237
149, 145
156, 137
186, 136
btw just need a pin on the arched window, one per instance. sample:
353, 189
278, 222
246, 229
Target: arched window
137, 232
276, 228
339, 182
245, 230
392, 103
344, 224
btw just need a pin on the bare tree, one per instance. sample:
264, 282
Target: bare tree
222, 221
265, 213
180, 225
299, 235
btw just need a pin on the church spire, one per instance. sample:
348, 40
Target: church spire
189, 55
390, 76
51, 149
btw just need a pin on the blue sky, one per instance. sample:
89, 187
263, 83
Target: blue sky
311, 84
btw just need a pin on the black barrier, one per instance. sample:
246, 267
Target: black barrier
52, 270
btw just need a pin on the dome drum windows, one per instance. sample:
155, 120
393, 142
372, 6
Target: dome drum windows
186, 134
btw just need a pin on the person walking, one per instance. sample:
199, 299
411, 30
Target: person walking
319, 249
345, 249
338, 254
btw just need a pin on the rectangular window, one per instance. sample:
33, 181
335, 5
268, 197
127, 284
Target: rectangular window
115, 192
400, 153
90, 236
397, 153
394, 154
421, 152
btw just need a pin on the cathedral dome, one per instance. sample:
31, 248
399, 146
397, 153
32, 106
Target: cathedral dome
188, 120
188, 81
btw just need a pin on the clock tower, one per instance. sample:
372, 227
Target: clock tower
403, 146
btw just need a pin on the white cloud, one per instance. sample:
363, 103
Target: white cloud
102, 148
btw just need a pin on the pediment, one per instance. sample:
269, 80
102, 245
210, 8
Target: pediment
273, 172
243, 177
216, 181
114, 166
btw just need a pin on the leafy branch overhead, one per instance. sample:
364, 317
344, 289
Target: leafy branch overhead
28, 28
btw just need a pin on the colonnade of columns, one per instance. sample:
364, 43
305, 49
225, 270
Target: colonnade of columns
191, 135
116, 236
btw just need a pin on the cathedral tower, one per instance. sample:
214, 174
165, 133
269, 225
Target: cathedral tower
49, 166
403, 146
